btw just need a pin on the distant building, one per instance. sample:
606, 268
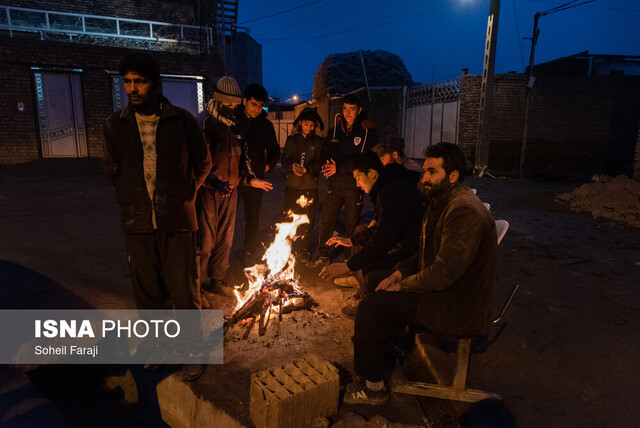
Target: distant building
59, 77
586, 64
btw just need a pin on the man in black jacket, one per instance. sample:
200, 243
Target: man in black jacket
262, 154
352, 135
447, 287
398, 206
301, 162
156, 156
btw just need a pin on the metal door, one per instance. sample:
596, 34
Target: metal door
60, 115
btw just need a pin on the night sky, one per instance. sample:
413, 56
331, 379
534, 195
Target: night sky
436, 39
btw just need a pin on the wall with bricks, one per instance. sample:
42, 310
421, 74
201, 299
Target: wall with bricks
19, 139
171, 11
636, 168
578, 125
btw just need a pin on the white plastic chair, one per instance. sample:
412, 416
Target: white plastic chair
474, 191
501, 229
487, 206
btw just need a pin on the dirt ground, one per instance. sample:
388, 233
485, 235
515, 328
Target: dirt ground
569, 355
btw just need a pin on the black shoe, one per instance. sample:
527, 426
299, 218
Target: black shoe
351, 307
358, 393
191, 372
319, 263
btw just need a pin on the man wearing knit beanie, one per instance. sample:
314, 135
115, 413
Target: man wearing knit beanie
217, 199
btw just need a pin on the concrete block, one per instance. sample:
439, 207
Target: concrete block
294, 394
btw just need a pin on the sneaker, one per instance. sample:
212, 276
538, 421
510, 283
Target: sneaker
191, 372
358, 393
351, 307
347, 282
320, 262
303, 257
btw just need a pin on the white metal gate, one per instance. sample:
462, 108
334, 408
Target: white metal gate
60, 114
431, 116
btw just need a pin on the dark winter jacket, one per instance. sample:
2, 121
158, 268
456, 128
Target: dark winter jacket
226, 147
456, 265
183, 162
305, 151
343, 147
261, 144
399, 208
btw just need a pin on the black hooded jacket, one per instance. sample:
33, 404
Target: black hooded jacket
261, 144
399, 208
343, 146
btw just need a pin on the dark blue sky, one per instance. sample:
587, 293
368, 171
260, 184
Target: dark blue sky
436, 39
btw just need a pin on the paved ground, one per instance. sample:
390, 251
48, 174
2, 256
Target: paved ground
568, 356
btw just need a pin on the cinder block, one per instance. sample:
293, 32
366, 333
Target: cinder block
295, 393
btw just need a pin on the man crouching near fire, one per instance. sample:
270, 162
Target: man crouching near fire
448, 287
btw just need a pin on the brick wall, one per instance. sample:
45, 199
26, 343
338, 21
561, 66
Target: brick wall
636, 169
19, 139
578, 125
172, 11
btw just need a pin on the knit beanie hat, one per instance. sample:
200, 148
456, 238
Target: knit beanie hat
227, 90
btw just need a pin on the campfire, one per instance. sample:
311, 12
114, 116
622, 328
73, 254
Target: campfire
273, 288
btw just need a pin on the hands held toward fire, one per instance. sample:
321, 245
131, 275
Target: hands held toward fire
224, 188
333, 270
390, 283
298, 170
337, 240
372, 223
329, 168
261, 184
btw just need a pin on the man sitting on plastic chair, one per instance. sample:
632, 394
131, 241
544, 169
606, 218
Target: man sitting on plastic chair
448, 287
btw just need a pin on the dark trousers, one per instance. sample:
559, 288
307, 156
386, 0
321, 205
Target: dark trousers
216, 224
291, 195
381, 315
164, 270
252, 198
388, 261
331, 210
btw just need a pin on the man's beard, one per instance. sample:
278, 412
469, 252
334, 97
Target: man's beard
431, 191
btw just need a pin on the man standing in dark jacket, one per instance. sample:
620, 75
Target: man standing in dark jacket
301, 162
217, 199
448, 287
157, 158
351, 136
262, 154
394, 237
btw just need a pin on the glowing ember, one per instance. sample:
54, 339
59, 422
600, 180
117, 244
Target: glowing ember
279, 267
303, 202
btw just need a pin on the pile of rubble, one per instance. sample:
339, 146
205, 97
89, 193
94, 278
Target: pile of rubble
612, 198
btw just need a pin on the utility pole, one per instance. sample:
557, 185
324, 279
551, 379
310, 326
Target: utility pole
527, 99
530, 76
486, 90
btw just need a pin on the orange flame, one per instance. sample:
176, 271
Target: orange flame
279, 261
303, 202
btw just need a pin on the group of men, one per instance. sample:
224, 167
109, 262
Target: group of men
178, 179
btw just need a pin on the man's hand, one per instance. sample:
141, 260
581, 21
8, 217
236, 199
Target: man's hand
329, 168
261, 184
372, 223
337, 240
224, 188
334, 270
390, 283
298, 170
266, 169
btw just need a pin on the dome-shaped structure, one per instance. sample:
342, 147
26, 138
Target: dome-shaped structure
341, 73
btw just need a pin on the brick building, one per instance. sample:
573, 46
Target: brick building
59, 80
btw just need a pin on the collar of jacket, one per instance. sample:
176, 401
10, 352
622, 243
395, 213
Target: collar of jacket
361, 121
168, 110
392, 171
445, 196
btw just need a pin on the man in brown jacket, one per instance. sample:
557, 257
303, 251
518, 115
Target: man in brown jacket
448, 287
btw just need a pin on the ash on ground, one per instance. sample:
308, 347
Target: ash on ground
616, 199
294, 327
